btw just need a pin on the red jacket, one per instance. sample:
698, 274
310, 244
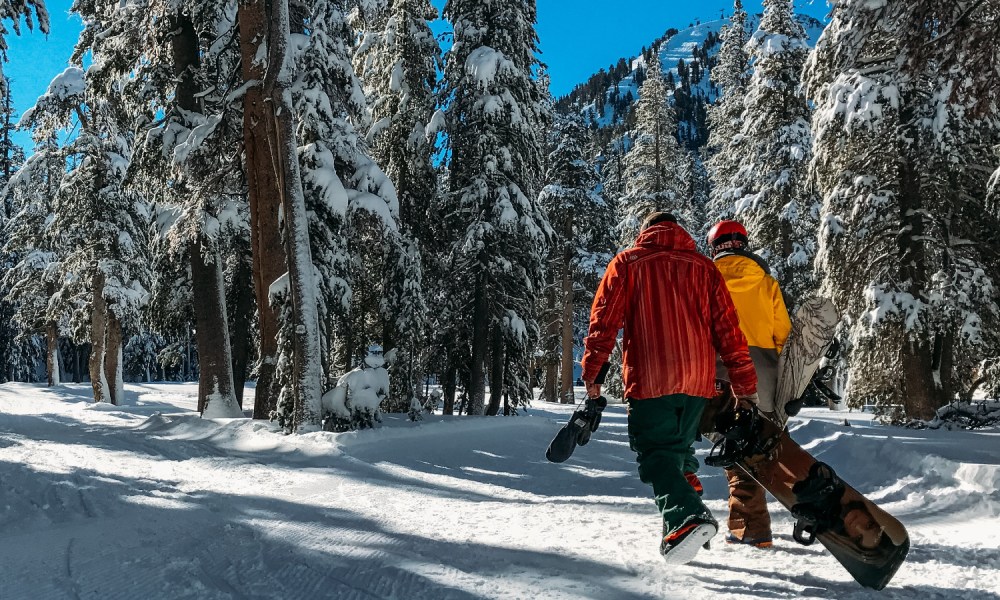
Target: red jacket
677, 315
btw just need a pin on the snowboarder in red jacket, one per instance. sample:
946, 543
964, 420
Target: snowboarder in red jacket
677, 316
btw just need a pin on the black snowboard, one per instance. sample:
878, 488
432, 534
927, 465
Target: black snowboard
577, 431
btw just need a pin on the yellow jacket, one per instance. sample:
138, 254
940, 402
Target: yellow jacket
759, 303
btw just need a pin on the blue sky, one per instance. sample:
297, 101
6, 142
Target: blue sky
577, 38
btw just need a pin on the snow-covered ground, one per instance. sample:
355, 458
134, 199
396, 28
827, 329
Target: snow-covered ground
147, 501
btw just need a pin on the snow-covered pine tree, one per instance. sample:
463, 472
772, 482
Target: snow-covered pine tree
657, 169
899, 153
774, 196
32, 11
176, 67
102, 223
495, 122
725, 117
398, 67
32, 277
353, 224
582, 221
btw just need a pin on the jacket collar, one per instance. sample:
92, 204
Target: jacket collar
666, 236
745, 254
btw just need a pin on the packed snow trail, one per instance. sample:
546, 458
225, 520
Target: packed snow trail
149, 501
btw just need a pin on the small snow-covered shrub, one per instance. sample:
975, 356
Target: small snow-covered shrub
354, 403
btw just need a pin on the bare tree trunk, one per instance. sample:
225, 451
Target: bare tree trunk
215, 373
52, 354
919, 388
448, 385
98, 339
216, 396
240, 333
306, 364
265, 202
550, 387
480, 343
496, 371
566, 384
113, 360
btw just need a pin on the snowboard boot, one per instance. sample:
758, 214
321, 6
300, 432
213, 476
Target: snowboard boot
765, 542
681, 545
700, 490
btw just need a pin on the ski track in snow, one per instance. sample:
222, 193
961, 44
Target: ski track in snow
149, 501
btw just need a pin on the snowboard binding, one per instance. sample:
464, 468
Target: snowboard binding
740, 438
577, 432
818, 392
818, 504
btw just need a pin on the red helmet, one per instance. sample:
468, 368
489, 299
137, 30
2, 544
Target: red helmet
727, 235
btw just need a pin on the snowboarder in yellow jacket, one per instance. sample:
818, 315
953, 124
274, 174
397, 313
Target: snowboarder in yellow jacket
765, 323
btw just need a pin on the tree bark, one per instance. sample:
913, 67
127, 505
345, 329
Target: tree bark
306, 378
496, 371
113, 359
566, 383
216, 394
919, 388
448, 385
98, 336
480, 343
240, 330
549, 388
265, 202
52, 354
215, 372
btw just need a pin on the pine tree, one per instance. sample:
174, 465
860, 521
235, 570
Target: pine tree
32, 275
582, 247
102, 223
657, 169
775, 199
725, 117
901, 146
496, 118
398, 67
353, 207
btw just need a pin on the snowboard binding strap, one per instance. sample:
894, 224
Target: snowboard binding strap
741, 438
818, 504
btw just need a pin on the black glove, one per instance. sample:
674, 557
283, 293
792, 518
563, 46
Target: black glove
589, 418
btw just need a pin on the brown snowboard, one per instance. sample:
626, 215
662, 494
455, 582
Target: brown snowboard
869, 542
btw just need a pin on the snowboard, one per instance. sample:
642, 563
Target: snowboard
812, 334
869, 542
577, 431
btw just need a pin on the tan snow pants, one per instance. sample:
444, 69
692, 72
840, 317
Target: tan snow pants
748, 516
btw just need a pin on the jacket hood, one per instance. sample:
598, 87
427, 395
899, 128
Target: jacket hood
666, 236
742, 273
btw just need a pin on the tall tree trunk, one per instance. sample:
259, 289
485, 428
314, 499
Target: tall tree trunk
240, 331
113, 359
306, 364
216, 396
566, 383
98, 339
449, 383
496, 370
480, 343
550, 387
919, 388
52, 354
265, 202
77, 364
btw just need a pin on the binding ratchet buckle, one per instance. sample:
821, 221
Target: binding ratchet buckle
740, 431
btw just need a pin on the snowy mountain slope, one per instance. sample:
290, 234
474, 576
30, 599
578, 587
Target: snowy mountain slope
149, 501
684, 45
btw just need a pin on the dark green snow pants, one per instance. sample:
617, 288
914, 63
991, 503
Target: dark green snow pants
661, 432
